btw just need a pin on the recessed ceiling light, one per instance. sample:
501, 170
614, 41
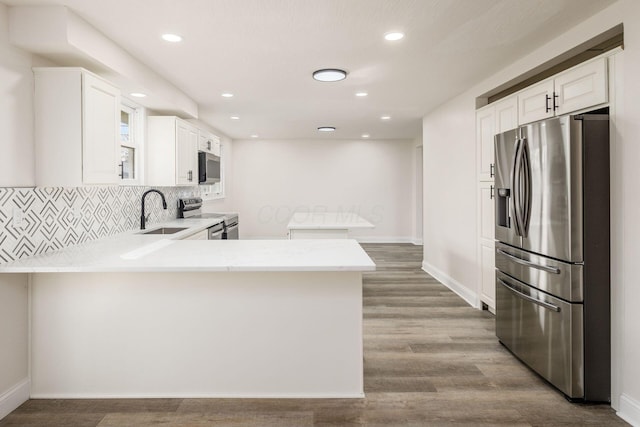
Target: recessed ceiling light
254, 136
329, 75
138, 94
361, 94
234, 118
227, 95
393, 36
326, 128
365, 135
385, 118
173, 38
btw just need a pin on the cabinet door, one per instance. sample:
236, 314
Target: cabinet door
186, 154
582, 87
485, 125
488, 276
486, 230
536, 102
100, 131
506, 112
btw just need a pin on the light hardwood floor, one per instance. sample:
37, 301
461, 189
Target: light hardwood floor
430, 360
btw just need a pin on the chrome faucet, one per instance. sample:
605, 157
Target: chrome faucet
143, 218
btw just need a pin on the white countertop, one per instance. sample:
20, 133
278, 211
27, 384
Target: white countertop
134, 252
327, 220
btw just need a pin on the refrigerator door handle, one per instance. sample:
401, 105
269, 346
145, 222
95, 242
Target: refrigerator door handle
530, 299
526, 174
515, 188
521, 261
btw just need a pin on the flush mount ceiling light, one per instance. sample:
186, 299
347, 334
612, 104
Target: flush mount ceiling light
234, 118
361, 94
254, 136
365, 135
173, 38
227, 95
138, 94
329, 75
385, 117
393, 36
326, 128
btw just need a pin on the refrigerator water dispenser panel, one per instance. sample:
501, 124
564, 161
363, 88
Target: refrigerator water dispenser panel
502, 207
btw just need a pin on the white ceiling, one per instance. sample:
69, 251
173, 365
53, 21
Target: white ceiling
264, 52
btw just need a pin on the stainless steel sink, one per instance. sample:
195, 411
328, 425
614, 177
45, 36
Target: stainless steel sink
164, 230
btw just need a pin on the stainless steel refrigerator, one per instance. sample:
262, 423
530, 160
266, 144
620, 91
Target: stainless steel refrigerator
552, 251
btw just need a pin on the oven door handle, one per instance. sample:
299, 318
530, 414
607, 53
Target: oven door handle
530, 299
529, 263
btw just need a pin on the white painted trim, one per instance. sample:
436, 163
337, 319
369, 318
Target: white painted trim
629, 410
462, 291
14, 397
365, 239
417, 242
197, 396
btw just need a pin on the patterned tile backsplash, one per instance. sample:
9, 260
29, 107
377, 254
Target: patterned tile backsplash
56, 217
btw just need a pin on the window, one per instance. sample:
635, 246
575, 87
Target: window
130, 144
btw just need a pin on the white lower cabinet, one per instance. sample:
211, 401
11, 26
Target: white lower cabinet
486, 244
172, 152
76, 121
201, 235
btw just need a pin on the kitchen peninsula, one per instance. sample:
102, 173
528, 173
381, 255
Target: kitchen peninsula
149, 316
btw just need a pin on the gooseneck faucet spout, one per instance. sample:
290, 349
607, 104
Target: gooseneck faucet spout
143, 218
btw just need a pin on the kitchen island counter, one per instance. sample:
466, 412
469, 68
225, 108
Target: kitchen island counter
142, 316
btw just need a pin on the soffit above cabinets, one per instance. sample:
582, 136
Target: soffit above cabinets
57, 33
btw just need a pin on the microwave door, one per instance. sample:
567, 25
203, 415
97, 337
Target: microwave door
506, 226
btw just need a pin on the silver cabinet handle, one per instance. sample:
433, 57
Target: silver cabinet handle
529, 263
492, 170
217, 233
491, 192
208, 145
190, 176
530, 299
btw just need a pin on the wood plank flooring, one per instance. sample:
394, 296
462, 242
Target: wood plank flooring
430, 360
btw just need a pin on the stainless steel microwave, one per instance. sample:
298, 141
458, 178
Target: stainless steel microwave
208, 168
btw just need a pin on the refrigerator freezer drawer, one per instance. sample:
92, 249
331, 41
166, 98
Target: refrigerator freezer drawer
544, 332
555, 277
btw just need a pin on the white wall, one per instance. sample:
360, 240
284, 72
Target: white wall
16, 111
14, 382
272, 179
450, 129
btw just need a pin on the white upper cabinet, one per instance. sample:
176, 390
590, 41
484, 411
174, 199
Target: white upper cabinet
485, 130
208, 142
536, 102
575, 89
495, 118
582, 87
76, 128
172, 152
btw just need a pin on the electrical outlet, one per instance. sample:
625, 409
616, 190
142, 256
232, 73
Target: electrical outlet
18, 218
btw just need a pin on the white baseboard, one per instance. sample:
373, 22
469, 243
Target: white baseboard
629, 410
374, 239
14, 397
462, 291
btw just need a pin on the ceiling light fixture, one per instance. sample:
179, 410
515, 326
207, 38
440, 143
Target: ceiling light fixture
254, 136
173, 38
138, 94
385, 118
227, 95
365, 135
234, 118
361, 94
329, 75
393, 36
326, 128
